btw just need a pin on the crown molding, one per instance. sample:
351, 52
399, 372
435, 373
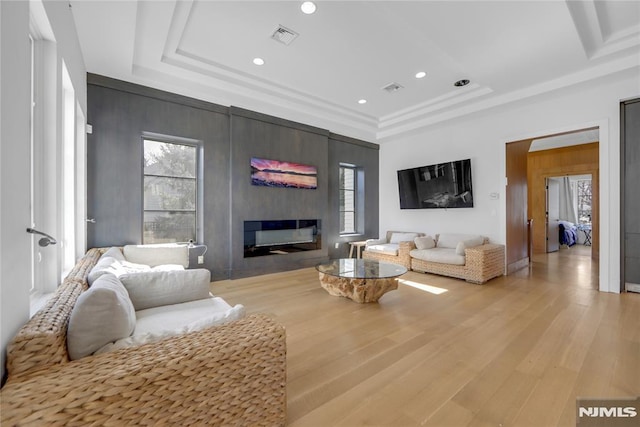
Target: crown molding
160, 61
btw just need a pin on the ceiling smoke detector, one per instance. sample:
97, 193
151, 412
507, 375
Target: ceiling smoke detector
392, 87
284, 35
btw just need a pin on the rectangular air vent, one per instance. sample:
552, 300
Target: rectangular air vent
284, 35
392, 87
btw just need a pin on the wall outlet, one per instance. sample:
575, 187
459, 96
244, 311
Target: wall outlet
337, 245
200, 259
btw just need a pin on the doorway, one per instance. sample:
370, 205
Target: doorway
529, 163
569, 212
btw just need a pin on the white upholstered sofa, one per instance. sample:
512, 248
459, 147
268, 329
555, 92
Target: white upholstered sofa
230, 374
465, 256
141, 294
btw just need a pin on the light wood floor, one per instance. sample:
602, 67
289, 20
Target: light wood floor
516, 351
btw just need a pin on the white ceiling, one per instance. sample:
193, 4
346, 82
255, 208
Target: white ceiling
349, 50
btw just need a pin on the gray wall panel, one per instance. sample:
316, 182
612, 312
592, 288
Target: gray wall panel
119, 119
121, 112
257, 136
365, 156
630, 116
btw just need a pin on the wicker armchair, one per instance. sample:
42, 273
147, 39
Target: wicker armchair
233, 374
402, 257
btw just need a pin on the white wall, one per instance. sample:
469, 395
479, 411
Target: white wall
15, 247
15, 243
482, 137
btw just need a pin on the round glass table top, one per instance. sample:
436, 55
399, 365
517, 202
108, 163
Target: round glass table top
361, 269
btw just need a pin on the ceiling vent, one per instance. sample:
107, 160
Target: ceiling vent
284, 35
392, 87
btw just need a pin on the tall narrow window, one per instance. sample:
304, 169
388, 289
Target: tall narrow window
170, 192
32, 168
68, 174
584, 201
348, 204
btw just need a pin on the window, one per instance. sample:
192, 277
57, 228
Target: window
68, 232
32, 126
171, 173
584, 201
348, 192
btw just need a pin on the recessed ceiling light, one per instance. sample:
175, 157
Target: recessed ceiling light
362, 101
308, 7
258, 61
420, 74
462, 82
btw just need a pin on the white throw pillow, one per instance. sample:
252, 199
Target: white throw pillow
105, 265
154, 255
451, 240
156, 288
218, 318
460, 248
111, 265
102, 314
469, 243
114, 252
425, 242
402, 237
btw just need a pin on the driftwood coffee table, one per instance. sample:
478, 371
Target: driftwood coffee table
362, 280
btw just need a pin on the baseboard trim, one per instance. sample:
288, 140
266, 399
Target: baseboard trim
632, 287
518, 265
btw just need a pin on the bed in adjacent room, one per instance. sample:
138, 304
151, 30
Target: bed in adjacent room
568, 233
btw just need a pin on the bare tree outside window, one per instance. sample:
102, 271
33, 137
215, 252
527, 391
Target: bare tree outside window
347, 199
170, 192
584, 201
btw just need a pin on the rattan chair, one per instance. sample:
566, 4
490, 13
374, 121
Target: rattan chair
234, 374
402, 257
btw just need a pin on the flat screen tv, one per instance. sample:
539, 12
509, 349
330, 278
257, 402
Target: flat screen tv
445, 185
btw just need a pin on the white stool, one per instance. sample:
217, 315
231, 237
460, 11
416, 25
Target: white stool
358, 246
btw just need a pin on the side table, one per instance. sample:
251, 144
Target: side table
358, 247
586, 229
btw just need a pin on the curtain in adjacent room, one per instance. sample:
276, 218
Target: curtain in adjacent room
567, 201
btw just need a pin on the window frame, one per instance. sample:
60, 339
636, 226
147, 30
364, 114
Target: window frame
578, 194
199, 178
341, 189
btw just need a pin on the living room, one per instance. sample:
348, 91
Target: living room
478, 129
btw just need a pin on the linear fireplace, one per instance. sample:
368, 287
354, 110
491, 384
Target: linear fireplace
281, 237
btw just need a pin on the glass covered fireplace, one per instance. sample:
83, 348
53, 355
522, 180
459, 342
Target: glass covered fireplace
281, 237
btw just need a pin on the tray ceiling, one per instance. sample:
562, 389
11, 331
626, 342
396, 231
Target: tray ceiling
351, 50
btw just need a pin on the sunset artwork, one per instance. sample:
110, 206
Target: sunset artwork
273, 173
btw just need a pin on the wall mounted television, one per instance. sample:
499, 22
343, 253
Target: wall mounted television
445, 185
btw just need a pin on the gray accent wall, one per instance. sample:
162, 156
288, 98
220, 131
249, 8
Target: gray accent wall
630, 175
120, 113
364, 156
257, 135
